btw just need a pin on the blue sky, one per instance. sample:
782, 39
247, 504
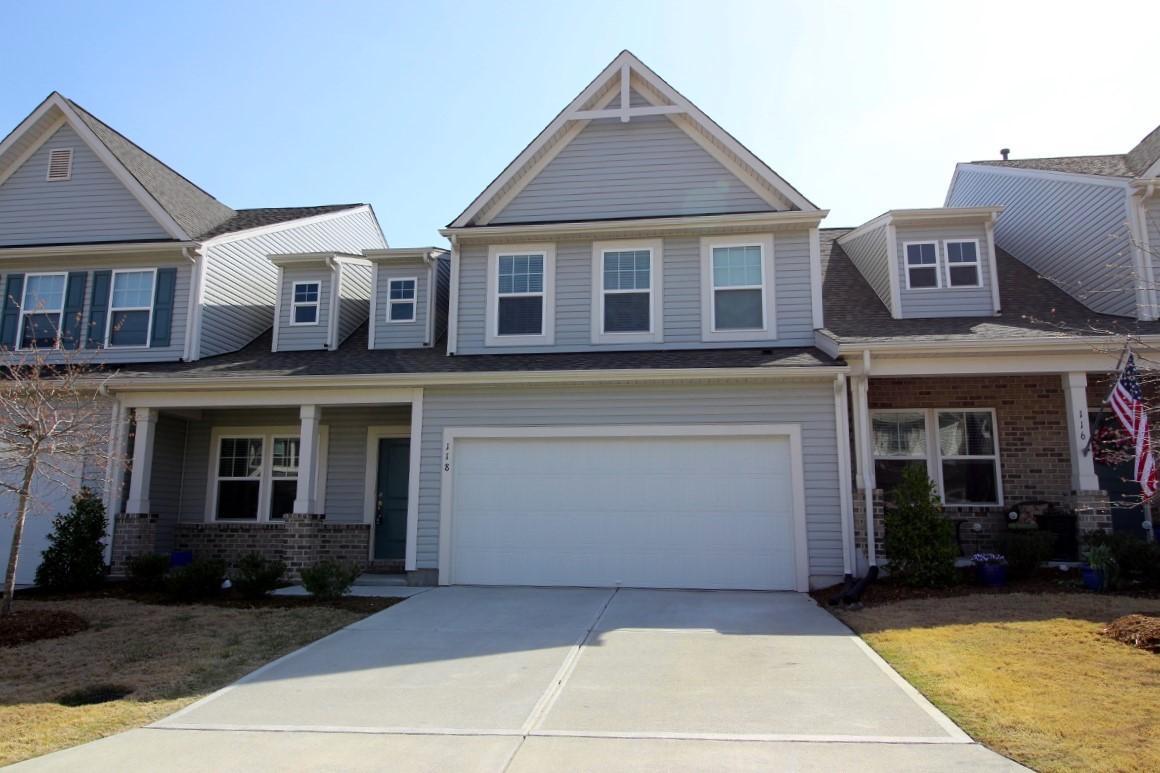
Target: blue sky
416, 106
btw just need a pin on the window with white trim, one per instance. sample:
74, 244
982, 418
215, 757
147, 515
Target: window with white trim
520, 295
239, 478
41, 310
256, 471
958, 448
401, 294
304, 302
921, 265
963, 264
130, 308
738, 276
283, 476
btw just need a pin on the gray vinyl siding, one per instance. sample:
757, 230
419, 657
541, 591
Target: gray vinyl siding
646, 167
345, 463
168, 477
93, 206
172, 353
635, 99
442, 297
945, 301
809, 403
401, 335
1073, 233
1151, 227
293, 338
240, 282
869, 254
681, 290
354, 293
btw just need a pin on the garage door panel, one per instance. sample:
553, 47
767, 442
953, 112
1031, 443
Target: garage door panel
707, 512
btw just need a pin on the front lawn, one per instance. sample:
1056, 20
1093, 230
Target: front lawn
1029, 675
167, 655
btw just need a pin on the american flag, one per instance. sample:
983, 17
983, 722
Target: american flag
1127, 403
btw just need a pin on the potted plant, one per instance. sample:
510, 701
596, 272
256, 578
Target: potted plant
1100, 569
991, 569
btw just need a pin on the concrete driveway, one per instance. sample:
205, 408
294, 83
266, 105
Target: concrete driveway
528, 679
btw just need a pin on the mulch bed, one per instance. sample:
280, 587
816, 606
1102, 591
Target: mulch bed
28, 625
1141, 631
887, 591
122, 590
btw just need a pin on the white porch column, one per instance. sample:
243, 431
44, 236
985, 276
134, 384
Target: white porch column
1079, 433
305, 501
865, 459
142, 461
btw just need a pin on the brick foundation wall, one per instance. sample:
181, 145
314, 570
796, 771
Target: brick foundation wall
230, 541
138, 534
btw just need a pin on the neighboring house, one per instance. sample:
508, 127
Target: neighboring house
127, 261
642, 363
1090, 224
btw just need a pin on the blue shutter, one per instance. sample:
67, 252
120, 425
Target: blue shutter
163, 306
99, 311
74, 304
10, 322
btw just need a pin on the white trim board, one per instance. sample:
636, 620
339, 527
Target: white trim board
793, 432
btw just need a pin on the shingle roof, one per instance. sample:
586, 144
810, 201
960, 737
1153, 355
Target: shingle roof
1033, 308
244, 219
1131, 164
354, 358
192, 208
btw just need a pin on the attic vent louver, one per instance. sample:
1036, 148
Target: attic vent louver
59, 164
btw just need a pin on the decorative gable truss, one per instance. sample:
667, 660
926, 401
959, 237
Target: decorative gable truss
627, 90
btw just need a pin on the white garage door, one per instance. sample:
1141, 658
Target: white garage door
655, 512
49, 498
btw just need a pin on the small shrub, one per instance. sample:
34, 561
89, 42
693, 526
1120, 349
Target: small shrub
919, 539
257, 575
201, 579
1137, 561
75, 558
1027, 550
147, 572
329, 580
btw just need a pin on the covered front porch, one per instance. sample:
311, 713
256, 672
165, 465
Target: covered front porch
1001, 438
298, 475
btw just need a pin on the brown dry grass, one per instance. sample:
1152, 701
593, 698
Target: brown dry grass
1029, 676
169, 655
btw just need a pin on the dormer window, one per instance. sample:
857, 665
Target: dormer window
59, 165
401, 299
921, 265
304, 307
963, 264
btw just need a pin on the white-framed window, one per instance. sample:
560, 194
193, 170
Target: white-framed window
130, 308
304, 302
627, 302
255, 472
957, 447
737, 288
962, 263
40, 310
921, 265
401, 299
521, 289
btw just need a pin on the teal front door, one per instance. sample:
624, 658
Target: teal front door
391, 498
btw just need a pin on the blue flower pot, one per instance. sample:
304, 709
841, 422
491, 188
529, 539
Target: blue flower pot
1093, 579
992, 575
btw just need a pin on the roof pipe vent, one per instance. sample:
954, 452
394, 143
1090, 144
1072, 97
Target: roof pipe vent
1005, 152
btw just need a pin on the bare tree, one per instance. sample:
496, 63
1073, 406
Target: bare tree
52, 419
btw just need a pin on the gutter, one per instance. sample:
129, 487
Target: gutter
832, 346
804, 219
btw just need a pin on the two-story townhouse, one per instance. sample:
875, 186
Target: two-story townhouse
108, 257
627, 391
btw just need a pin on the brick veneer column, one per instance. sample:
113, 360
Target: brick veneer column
1093, 511
134, 534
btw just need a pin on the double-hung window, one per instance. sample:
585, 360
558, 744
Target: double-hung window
921, 265
521, 286
957, 448
256, 473
41, 310
401, 299
131, 308
304, 303
626, 303
963, 264
737, 276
